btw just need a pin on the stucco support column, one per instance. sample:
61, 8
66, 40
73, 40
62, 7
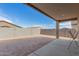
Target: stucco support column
57, 30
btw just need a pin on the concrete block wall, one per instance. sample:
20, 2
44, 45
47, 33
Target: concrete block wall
7, 33
52, 32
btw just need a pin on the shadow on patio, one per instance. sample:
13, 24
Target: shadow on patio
57, 47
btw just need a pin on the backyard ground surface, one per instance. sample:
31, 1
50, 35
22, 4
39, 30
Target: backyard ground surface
22, 47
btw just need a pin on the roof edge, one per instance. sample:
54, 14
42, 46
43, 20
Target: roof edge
31, 5
11, 24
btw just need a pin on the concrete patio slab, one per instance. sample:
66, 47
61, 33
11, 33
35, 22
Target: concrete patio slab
57, 48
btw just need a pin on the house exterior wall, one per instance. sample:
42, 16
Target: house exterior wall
4, 23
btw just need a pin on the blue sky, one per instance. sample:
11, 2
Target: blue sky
25, 16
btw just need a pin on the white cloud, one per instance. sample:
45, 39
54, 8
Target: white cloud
3, 16
36, 25
41, 26
65, 25
4, 19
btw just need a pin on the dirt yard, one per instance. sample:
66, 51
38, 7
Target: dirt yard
22, 47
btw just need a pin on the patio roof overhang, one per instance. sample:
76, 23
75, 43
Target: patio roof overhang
60, 12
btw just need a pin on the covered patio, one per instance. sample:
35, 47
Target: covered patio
60, 12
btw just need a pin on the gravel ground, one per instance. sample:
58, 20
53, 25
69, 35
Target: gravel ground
22, 47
